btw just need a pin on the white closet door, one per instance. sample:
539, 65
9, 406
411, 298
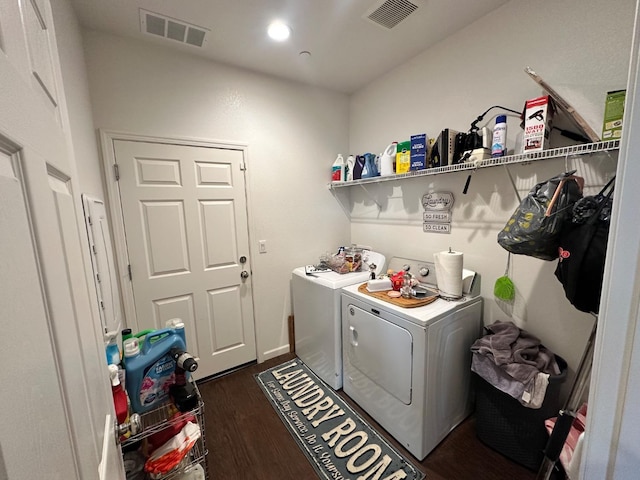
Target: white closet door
105, 276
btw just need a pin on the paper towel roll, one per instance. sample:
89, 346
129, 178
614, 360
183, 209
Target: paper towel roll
449, 273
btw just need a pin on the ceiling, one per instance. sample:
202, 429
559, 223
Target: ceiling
346, 49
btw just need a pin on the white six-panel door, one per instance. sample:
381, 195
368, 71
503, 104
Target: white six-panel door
185, 221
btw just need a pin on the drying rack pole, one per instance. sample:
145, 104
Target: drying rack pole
568, 414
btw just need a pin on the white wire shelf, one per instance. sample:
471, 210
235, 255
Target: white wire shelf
583, 149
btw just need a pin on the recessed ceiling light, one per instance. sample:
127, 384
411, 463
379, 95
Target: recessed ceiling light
278, 31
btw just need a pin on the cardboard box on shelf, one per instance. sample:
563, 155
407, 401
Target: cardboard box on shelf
418, 151
613, 113
403, 157
538, 118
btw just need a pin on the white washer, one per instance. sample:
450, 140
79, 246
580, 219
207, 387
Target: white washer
316, 313
409, 368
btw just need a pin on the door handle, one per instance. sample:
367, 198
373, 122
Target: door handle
354, 336
244, 274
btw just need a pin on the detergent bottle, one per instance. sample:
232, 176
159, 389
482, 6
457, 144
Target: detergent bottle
388, 159
338, 169
150, 367
351, 163
358, 167
112, 350
370, 169
119, 397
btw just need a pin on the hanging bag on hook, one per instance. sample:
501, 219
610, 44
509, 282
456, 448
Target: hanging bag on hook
534, 228
582, 250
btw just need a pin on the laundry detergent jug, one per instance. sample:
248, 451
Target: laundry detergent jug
150, 367
388, 160
370, 169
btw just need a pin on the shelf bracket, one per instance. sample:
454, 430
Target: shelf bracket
513, 183
371, 197
337, 195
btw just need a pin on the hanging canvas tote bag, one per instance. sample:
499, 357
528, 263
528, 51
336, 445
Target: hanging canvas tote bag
582, 250
534, 228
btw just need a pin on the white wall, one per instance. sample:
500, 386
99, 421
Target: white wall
293, 133
74, 75
582, 49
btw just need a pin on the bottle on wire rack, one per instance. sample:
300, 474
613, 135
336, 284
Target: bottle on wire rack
338, 169
499, 143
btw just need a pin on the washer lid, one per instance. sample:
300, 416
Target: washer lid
333, 280
336, 280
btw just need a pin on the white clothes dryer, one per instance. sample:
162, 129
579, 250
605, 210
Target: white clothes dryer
317, 316
410, 368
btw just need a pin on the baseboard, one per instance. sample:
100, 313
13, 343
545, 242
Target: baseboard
276, 352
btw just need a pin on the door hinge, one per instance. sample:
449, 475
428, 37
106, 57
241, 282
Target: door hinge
89, 221
116, 171
243, 167
129, 269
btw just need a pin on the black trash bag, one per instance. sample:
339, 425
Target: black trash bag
534, 228
582, 250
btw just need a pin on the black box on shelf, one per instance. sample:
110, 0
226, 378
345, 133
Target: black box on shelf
515, 431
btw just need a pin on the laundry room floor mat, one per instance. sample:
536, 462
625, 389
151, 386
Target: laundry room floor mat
337, 441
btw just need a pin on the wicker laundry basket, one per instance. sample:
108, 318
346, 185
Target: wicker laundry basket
515, 431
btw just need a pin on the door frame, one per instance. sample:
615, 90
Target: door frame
114, 210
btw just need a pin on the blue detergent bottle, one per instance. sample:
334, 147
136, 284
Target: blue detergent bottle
370, 168
150, 367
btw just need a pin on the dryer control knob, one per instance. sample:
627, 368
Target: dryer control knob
424, 271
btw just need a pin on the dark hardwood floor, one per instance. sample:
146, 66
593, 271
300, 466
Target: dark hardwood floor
247, 440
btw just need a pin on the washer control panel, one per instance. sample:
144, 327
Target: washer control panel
424, 271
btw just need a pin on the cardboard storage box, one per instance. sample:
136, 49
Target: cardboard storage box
418, 151
538, 117
403, 157
613, 113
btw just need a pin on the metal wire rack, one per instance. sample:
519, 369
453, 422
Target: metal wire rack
163, 417
581, 149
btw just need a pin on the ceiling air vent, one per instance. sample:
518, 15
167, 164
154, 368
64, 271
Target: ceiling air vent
156, 24
389, 13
